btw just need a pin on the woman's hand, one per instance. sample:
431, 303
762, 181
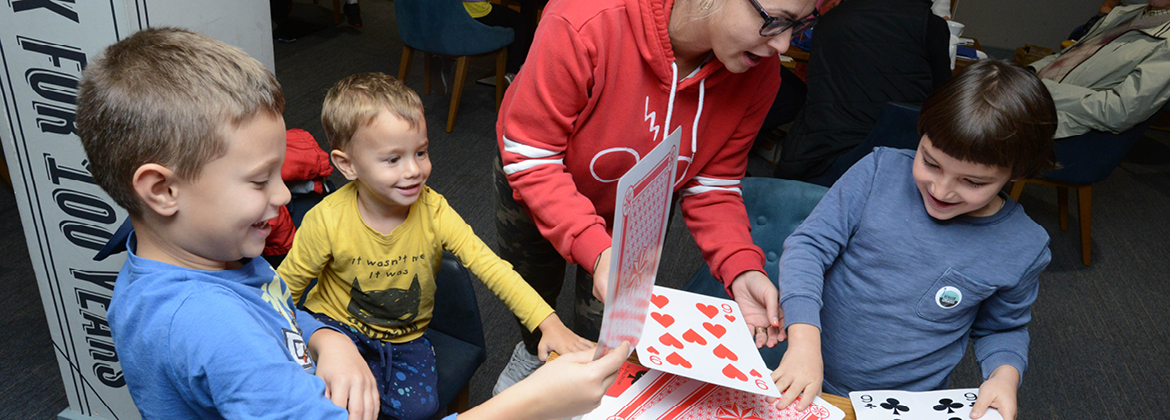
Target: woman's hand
759, 301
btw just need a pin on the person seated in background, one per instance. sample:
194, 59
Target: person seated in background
1116, 76
864, 54
499, 15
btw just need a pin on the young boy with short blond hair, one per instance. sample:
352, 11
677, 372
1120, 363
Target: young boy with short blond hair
910, 254
376, 244
186, 134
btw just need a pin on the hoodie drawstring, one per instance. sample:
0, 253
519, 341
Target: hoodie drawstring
698, 112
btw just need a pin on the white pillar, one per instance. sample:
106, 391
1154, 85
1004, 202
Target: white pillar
44, 46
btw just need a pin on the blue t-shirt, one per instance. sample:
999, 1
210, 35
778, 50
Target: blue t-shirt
214, 344
897, 293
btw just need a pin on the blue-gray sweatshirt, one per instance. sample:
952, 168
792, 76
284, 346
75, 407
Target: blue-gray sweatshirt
896, 293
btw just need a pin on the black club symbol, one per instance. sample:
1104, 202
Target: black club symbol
948, 405
894, 404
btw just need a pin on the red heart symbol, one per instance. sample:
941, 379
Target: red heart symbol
677, 360
715, 330
725, 353
733, 373
663, 319
709, 310
659, 300
694, 337
652, 350
669, 340
757, 374
729, 318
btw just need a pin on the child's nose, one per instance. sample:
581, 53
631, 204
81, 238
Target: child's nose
411, 170
281, 195
943, 189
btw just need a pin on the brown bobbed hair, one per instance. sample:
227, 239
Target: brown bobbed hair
167, 96
993, 113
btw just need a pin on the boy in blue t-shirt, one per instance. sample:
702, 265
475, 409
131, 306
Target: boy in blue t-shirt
186, 134
910, 253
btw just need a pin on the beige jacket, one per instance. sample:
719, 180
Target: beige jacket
1123, 84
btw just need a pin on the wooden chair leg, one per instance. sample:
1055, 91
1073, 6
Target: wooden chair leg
461, 65
501, 68
1085, 202
427, 59
404, 68
460, 403
1062, 205
1018, 189
336, 12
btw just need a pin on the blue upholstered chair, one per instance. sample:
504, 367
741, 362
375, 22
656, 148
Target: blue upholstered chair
775, 208
455, 331
444, 27
1085, 159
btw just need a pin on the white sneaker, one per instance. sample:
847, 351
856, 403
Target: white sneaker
521, 365
491, 80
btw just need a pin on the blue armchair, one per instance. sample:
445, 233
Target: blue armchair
444, 27
456, 333
1085, 159
775, 208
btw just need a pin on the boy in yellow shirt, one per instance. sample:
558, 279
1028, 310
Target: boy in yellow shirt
376, 244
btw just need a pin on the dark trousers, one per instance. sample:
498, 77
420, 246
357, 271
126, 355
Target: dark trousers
405, 373
539, 263
508, 18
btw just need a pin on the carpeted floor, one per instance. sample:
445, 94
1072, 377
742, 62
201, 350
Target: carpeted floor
1100, 336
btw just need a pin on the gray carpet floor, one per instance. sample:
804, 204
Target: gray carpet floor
1100, 335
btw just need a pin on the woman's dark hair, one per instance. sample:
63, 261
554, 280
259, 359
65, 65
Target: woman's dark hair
993, 113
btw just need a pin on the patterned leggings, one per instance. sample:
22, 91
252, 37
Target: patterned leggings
405, 373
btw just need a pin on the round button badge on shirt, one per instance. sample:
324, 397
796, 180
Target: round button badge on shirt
948, 297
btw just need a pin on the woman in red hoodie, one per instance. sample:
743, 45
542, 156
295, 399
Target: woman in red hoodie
605, 81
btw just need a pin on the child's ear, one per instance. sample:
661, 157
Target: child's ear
155, 186
343, 164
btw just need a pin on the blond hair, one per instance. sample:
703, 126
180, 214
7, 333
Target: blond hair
354, 102
166, 96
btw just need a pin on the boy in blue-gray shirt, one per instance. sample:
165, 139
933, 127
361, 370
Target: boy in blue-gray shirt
911, 253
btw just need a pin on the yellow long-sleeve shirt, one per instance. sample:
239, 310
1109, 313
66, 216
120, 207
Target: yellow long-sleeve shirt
384, 285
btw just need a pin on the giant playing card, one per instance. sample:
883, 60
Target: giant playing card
640, 213
704, 338
664, 396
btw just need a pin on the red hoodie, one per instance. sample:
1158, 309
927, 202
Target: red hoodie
593, 98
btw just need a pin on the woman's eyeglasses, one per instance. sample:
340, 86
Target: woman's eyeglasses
775, 25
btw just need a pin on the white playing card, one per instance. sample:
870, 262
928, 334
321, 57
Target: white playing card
640, 214
664, 396
703, 338
947, 404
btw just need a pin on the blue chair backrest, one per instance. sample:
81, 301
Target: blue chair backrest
444, 27
456, 330
1092, 157
775, 208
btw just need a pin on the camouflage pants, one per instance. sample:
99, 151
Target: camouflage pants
531, 255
